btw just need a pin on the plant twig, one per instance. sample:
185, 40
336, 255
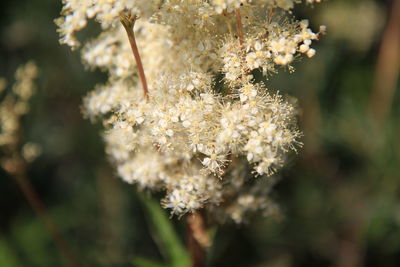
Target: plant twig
387, 67
17, 170
128, 22
197, 238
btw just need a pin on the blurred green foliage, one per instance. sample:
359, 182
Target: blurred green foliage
339, 196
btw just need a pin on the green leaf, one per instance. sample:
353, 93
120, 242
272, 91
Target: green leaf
142, 262
168, 241
7, 255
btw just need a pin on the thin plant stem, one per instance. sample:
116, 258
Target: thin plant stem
239, 26
18, 173
16, 166
128, 22
387, 68
197, 238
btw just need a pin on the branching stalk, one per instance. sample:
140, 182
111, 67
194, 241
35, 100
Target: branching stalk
17, 170
128, 22
17, 167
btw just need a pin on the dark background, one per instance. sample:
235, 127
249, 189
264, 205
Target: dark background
339, 196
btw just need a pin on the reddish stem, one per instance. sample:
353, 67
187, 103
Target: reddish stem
128, 23
18, 172
197, 238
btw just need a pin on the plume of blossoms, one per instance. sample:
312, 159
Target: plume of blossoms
193, 134
14, 105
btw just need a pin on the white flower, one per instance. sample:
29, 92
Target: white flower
205, 119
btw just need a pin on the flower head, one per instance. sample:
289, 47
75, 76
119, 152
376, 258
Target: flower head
206, 125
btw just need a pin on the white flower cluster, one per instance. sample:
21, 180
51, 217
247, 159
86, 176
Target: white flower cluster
14, 103
227, 5
278, 44
76, 14
205, 124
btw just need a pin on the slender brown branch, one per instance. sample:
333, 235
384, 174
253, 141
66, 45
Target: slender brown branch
17, 170
239, 26
197, 238
128, 22
387, 67
16, 166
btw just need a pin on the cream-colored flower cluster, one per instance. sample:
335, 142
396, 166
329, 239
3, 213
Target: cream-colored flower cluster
205, 125
14, 104
227, 5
